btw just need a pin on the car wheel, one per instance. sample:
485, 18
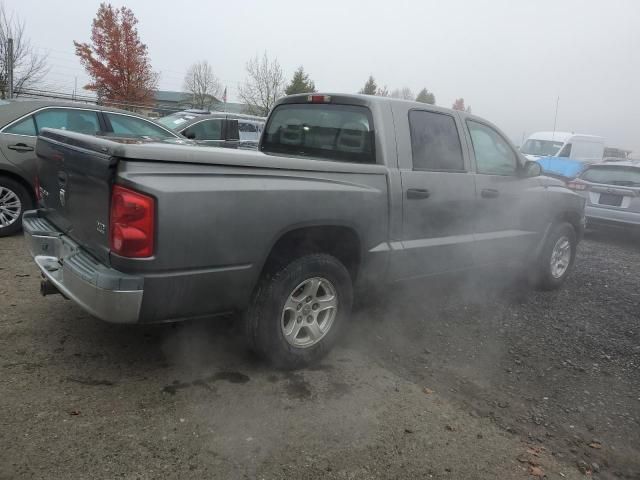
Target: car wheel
556, 258
296, 312
14, 200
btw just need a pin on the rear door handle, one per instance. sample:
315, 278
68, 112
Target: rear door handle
489, 193
418, 193
20, 147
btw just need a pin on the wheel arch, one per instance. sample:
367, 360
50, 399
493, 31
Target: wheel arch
20, 179
340, 241
573, 218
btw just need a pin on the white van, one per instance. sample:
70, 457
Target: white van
585, 148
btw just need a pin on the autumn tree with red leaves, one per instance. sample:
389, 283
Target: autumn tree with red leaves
116, 60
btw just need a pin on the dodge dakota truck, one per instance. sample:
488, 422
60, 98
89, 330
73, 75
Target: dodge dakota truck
346, 193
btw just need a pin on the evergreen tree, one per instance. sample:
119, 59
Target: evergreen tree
425, 96
370, 88
300, 83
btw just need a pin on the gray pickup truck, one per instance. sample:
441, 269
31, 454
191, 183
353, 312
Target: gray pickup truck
346, 193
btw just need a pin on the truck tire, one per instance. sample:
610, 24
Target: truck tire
297, 311
14, 200
556, 258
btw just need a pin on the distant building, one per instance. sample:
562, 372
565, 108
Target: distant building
231, 107
167, 102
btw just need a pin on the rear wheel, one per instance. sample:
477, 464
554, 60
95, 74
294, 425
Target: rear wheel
14, 200
556, 258
297, 312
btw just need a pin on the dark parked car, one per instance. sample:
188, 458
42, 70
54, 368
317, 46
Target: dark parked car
347, 193
20, 122
217, 129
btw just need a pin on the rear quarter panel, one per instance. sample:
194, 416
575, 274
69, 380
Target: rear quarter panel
216, 225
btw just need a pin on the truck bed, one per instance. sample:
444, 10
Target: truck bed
218, 212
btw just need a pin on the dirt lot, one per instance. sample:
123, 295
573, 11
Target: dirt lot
471, 378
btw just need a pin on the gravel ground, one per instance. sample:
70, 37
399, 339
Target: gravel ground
472, 378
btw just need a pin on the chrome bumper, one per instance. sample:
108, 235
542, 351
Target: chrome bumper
102, 291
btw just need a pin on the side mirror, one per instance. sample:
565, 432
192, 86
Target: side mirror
532, 169
189, 134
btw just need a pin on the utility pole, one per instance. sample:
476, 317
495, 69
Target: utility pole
555, 119
75, 88
9, 64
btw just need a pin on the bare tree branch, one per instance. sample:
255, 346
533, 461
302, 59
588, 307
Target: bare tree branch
263, 86
29, 67
202, 84
405, 93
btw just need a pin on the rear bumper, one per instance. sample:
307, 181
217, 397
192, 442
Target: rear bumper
611, 216
102, 291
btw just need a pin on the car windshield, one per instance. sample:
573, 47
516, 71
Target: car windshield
176, 121
542, 148
334, 132
613, 175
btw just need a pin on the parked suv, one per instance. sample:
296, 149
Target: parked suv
20, 122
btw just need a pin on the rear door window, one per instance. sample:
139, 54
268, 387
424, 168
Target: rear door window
335, 132
435, 143
205, 130
26, 126
74, 120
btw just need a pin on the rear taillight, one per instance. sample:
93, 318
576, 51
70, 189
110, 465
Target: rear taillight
576, 185
131, 223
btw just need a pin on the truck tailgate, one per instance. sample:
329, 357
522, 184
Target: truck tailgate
75, 174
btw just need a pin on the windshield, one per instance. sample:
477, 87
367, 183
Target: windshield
612, 175
542, 148
334, 132
175, 121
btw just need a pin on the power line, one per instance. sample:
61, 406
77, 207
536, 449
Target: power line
59, 95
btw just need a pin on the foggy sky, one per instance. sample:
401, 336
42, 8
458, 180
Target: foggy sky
508, 59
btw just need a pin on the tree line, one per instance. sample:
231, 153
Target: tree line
118, 63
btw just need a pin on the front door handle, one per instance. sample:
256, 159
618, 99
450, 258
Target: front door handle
489, 193
418, 193
20, 147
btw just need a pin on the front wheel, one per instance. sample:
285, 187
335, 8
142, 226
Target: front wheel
556, 258
14, 200
296, 312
